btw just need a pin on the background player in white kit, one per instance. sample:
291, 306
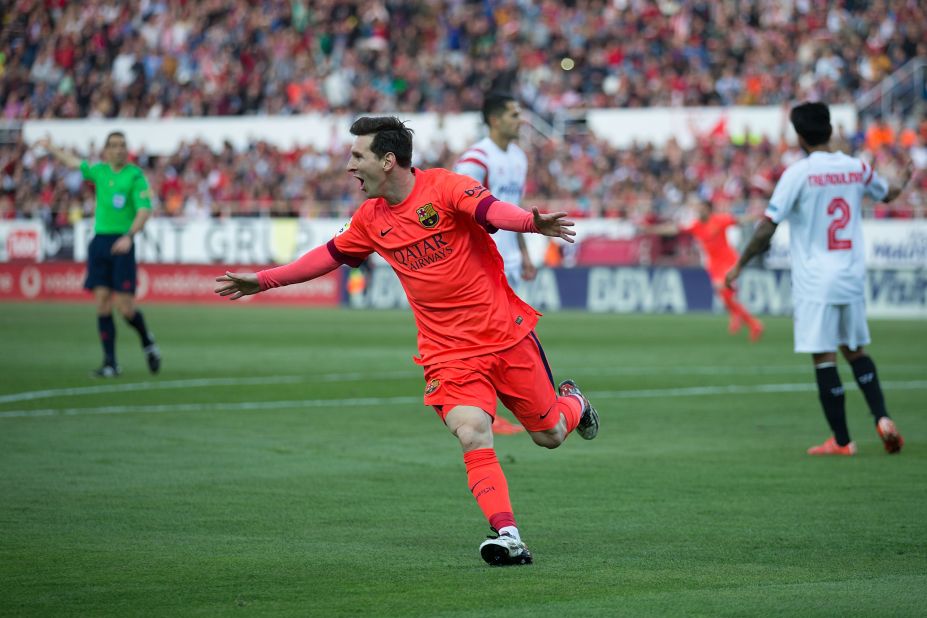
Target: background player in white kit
498, 164
820, 196
501, 166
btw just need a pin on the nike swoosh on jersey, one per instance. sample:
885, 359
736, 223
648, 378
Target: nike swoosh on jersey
385, 232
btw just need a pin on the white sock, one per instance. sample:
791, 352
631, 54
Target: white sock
511, 531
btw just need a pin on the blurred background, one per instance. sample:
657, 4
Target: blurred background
634, 111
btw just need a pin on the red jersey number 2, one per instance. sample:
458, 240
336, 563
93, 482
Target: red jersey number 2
838, 205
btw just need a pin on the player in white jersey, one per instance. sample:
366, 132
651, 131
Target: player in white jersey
497, 163
501, 166
821, 198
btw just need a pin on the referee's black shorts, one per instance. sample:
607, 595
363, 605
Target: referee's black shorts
104, 269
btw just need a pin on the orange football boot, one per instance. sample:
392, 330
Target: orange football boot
830, 447
756, 330
735, 324
890, 436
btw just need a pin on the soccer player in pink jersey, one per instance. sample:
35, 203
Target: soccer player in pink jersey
497, 163
821, 198
476, 339
710, 230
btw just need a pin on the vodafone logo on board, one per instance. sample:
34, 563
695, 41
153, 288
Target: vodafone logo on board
30, 282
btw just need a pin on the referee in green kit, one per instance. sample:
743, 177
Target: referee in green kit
123, 207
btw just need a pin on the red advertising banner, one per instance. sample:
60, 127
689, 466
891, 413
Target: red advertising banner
180, 283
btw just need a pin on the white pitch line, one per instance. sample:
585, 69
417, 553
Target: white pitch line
200, 383
146, 386
742, 389
357, 376
695, 391
224, 407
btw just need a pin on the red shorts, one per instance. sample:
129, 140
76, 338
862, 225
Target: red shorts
519, 376
717, 271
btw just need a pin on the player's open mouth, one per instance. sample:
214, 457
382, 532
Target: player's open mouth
361, 181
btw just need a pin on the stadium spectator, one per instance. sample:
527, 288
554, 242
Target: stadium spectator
828, 268
166, 59
585, 176
476, 337
123, 206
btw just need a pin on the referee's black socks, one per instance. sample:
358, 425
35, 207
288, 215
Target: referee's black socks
138, 323
830, 392
868, 380
107, 330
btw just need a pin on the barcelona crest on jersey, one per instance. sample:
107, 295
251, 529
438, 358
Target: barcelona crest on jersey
427, 215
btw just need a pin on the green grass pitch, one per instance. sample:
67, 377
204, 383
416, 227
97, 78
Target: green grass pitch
282, 465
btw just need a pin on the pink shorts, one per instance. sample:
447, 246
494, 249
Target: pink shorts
519, 376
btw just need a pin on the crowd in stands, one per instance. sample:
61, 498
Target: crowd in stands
582, 175
164, 58
161, 58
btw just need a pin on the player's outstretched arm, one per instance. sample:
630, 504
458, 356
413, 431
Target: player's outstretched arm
61, 155
660, 229
554, 225
315, 263
237, 285
508, 216
757, 245
895, 188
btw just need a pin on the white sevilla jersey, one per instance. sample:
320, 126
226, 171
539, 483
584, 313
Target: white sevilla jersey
503, 172
821, 198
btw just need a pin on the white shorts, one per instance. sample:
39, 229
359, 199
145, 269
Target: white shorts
820, 327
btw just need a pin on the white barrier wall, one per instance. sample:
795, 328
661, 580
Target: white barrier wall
322, 131
623, 127
620, 127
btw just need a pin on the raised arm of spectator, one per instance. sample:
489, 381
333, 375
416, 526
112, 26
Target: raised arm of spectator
59, 154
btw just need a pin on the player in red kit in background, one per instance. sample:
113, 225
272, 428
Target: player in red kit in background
476, 337
710, 230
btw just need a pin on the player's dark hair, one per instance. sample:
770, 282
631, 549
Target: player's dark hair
112, 135
812, 122
495, 103
389, 135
